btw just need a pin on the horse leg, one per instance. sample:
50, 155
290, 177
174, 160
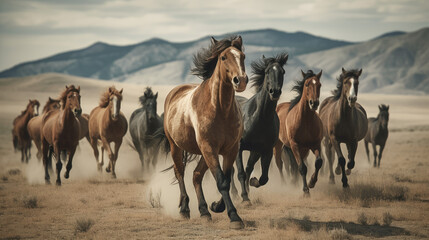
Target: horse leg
329, 152
380, 153
351, 148
69, 163
111, 155
278, 156
234, 190
179, 171
291, 162
318, 164
22, 153
59, 164
45, 150
367, 150
302, 168
341, 167
241, 174
223, 180
197, 180
374, 148
265, 165
116, 154
94, 145
253, 158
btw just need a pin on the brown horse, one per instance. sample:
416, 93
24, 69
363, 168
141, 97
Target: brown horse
344, 121
108, 124
60, 132
301, 128
205, 119
34, 126
21, 138
84, 129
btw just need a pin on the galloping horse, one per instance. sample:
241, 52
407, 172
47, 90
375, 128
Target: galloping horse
261, 123
144, 122
344, 121
108, 124
34, 126
301, 129
205, 119
21, 138
377, 133
84, 130
60, 132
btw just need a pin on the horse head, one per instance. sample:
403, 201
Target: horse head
148, 102
383, 115
33, 107
274, 75
115, 98
51, 104
72, 100
350, 82
312, 89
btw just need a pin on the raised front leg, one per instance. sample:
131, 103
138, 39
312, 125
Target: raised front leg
115, 156
302, 168
106, 146
380, 153
265, 165
69, 163
341, 166
241, 174
318, 164
253, 158
351, 148
199, 172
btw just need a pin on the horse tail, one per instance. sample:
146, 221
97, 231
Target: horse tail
161, 140
15, 141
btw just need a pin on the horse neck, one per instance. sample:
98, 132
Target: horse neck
345, 111
265, 105
67, 116
304, 108
221, 91
107, 112
28, 115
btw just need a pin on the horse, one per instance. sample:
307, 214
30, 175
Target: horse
84, 130
34, 126
144, 122
261, 123
205, 119
20, 137
107, 124
301, 129
60, 132
377, 133
344, 121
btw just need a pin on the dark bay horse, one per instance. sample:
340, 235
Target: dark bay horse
261, 123
108, 124
301, 129
60, 132
205, 119
34, 126
144, 122
20, 136
377, 133
344, 121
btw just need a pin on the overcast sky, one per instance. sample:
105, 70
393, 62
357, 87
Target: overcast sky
33, 29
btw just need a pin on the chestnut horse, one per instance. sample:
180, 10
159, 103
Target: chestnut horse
377, 133
107, 124
60, 132
301, 129
21, 138
205, 119
34, 126
84, 130
261, 123
344, 121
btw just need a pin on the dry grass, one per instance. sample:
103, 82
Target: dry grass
30, 202
387, 219
14, 172
155, 200
83, 224
339, 234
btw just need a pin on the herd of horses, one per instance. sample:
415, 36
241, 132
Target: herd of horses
208, 120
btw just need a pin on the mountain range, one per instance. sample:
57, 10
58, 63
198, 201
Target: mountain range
393, 62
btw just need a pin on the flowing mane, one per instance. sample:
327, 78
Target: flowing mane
48, 103
105, 97
350, 73
148, 93
259, 67
63, 95
299, 88
206, 59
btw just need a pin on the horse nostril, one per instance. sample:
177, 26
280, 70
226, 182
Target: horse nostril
271, 91
311, 102
235, 79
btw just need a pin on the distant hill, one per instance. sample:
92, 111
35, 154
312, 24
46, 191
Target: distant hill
158, 61
391, 64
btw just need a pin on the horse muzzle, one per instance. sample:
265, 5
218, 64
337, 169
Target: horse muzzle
313, 104
275, 94
77, 112
352, 101
240, 83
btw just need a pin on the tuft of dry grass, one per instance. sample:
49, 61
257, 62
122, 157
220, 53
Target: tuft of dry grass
155, 200
362, 219
339, 234
4, 178
30, 202
83, 224
14, 171
387, 219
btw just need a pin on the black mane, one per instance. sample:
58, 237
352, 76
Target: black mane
147, 94
383, 108
299, 88
350, 73
259, 67
205, 60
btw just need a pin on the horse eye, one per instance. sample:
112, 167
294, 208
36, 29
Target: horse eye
223, 58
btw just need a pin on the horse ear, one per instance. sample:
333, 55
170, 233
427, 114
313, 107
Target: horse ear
302, 73
110, 89
78, 89
284, 60
343, 70
50, 99
319, 74
263, 56
156, 95
121, 90
360, 72
379, 107
237, 42
213, 40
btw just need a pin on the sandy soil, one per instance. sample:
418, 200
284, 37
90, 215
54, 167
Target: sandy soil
387, 203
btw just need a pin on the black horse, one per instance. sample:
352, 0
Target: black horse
144, 122
377, 133
261, 123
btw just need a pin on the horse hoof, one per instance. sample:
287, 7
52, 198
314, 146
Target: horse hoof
47, 182
247, 203
338, 170
185, 214
254, 182
58, 183
66, 175
345, 185
207, 217
348, 171
217, 207
114, 176
312, 184
107, 169
236, 225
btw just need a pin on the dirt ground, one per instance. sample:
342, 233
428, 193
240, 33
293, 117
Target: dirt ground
391, 202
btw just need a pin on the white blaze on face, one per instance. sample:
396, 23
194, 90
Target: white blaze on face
237, 58
352, 92
115, 107
314, 82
